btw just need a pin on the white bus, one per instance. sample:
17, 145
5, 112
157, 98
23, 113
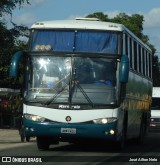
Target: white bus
85, 80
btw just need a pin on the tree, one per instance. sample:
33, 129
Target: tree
101, 16
6, 6
9, 39
156, 71
135, 24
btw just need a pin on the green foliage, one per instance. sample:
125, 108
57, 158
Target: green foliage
156, 71
133, 22
101, 16
6, 6
9, 40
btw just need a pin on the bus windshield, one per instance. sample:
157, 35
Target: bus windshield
74, 80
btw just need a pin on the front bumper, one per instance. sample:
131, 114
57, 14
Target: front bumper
81, 131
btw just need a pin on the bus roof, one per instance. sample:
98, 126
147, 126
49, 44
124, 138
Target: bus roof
89, 24
85, 23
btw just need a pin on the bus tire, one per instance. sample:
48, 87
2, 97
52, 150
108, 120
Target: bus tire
140, 139
27, 139
147, 120
22, 138
122, 142
42, 144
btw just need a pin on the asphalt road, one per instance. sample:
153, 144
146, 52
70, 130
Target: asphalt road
65, 153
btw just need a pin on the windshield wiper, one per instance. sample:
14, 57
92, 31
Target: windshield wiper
80, 88
53, 98
72, 84
58, 92
34, 101
84, 94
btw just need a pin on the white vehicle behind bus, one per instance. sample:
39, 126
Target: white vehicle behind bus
155, 111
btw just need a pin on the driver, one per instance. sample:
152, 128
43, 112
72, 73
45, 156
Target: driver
51, 76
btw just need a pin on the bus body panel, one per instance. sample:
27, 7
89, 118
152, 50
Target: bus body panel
77, 116
138, 101
84, 131
79, 120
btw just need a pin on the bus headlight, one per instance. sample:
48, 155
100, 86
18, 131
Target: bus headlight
34, 118
104, 120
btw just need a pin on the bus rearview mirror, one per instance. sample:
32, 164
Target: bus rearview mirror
124, 69
14, 65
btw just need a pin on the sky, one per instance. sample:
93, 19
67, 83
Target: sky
42, 10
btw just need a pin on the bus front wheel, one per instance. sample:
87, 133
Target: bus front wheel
42, 144
122, 142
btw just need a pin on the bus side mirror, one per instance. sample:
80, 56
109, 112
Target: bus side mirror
124, 69
14, 65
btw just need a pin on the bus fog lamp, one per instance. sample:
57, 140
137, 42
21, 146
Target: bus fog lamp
32, 129
106, 132
27, 128
112, 132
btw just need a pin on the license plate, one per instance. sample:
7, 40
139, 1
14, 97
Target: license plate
68, 130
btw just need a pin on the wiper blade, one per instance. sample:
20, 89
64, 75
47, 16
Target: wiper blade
84, 93
55, 88
34, 101
75, 82
53, 98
